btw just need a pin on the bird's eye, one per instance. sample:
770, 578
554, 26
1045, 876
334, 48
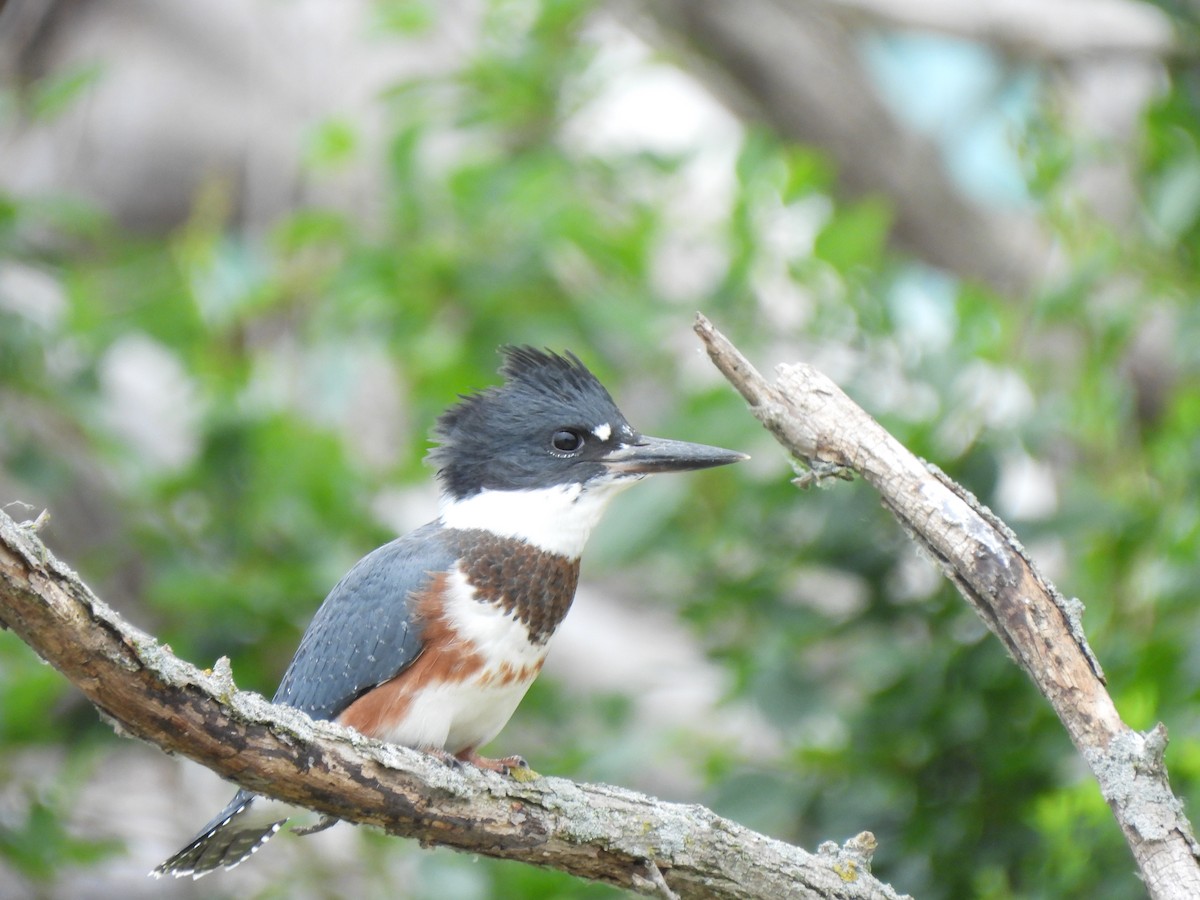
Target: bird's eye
566, 440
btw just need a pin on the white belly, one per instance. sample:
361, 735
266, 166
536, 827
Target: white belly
460, 715
457, 716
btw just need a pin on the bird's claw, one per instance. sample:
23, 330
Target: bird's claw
449, 760
507, 765
325, 822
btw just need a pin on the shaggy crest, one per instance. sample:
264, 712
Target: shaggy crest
497, 438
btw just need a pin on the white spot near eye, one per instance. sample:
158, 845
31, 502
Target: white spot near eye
603, 432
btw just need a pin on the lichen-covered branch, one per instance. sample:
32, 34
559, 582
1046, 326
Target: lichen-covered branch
1040, 628
593, 831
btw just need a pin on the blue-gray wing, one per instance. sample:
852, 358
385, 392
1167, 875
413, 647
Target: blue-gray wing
365, 632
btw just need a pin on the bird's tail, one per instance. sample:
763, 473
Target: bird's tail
229, 838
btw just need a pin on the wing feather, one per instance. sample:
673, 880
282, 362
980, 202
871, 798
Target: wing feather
365, 632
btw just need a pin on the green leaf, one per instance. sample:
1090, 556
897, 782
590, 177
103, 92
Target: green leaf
40, 846
334, 144
404, 17
855, 236
52, 95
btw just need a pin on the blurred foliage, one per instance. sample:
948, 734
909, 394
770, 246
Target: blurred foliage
304, 367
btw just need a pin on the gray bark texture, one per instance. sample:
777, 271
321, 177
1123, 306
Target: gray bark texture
1041, 630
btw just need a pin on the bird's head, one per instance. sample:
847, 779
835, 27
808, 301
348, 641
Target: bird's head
548, 443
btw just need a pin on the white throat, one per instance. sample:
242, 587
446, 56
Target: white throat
557, 519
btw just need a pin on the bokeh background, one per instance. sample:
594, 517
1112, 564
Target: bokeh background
250, 248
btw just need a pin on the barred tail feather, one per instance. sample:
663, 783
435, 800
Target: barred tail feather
232, 836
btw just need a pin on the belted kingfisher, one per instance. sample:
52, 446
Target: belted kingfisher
432, 640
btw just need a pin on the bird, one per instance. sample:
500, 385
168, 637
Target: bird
431, 641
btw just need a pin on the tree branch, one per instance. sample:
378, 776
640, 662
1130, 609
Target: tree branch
794, 67
1040, 628
1045, 30
593, 831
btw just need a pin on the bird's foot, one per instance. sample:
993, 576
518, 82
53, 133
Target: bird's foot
514, 767
508, 765
325, 822
446, 758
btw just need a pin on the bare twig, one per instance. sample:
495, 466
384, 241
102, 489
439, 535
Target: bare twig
593, 831
1040, 628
